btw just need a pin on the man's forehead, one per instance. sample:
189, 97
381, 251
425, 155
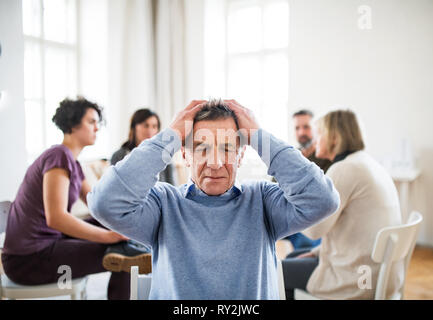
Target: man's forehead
209, 136
217, 129
302, 119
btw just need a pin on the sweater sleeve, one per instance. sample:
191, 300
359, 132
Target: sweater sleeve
303, 195
344, 184
127, 199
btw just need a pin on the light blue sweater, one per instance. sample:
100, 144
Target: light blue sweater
212, 247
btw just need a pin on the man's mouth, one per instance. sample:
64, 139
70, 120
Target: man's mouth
214, 178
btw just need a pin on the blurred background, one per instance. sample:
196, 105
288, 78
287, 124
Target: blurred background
273, 56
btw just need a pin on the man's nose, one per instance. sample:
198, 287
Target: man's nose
215, 161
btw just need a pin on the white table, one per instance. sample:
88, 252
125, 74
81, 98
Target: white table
404, 177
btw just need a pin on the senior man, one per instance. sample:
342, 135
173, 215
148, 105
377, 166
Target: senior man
212, 238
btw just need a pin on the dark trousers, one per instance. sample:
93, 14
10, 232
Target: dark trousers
82, 256
297, 272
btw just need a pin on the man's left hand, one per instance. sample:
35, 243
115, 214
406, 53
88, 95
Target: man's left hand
246, 120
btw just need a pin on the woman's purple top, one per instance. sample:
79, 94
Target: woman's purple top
27, 231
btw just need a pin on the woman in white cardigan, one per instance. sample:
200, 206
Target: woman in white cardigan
368, 202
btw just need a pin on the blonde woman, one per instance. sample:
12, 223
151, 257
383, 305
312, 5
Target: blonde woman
369, 202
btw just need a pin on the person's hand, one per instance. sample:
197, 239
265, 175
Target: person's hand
112, 237
246, 120
183, 122
308, 254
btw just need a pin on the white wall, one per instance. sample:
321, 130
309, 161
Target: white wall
93, 75
194, 44
12, 118
384, 74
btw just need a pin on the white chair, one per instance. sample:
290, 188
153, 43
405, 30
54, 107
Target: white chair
281, 290
391, 245
11, 290
140, 284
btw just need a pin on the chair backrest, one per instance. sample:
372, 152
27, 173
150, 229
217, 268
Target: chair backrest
4, 211
393, 244
281, 288
140, 285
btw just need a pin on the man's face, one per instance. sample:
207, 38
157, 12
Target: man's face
303, 130
214, 156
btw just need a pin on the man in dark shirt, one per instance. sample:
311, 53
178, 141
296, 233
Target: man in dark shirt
304, 135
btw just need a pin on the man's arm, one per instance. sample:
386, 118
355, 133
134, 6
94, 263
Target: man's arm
125, 199
341, 176
303, 196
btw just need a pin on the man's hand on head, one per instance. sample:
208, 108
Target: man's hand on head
246, 120
183, 122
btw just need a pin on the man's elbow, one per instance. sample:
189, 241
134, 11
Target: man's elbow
332, 201
97, 205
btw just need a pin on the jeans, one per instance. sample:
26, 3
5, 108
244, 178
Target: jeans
82, 256
297, 272
300, 241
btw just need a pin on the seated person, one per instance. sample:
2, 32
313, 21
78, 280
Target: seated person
41, 234
304, 135
369, 202
212, 238
144, 125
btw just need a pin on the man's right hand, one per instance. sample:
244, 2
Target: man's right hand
183, 123
109, 237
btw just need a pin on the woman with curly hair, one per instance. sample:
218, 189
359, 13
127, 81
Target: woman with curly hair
41, 234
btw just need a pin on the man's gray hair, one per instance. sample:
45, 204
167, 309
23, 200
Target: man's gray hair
215, 109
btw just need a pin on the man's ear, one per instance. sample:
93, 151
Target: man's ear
241, 154
185, 156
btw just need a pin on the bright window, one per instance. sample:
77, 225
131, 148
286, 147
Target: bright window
50, 67
247, 59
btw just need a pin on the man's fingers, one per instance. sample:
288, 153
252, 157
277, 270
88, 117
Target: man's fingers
232, 104
237, 108
193, 104
196, 108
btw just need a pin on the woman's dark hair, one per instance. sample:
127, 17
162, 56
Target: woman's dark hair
138, 117
70, 112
